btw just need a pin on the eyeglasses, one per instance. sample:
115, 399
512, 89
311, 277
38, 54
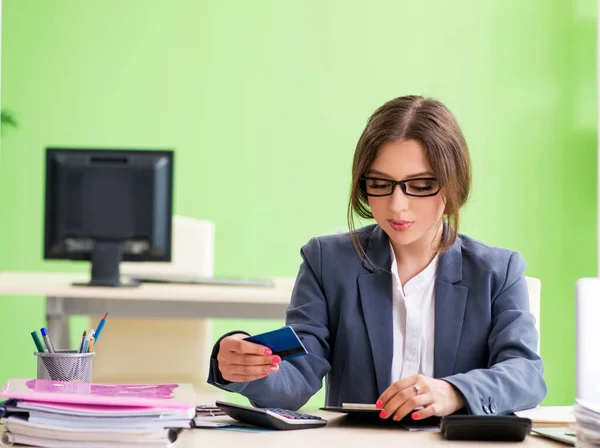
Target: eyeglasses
418, 187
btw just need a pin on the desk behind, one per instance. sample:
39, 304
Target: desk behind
149, 300
179, 343
59, 285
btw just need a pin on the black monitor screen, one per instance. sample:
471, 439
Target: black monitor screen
110, 197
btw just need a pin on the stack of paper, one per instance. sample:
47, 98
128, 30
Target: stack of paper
587, 426
48, 413
549, 416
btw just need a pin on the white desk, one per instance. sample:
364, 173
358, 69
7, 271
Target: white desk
182, 339
338, 432
147, 300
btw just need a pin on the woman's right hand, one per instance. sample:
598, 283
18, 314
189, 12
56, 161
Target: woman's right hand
243, 361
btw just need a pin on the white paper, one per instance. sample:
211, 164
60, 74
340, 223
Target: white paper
9, 439
549, 414
592, 406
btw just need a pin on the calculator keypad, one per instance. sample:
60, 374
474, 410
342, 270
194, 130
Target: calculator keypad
294, 415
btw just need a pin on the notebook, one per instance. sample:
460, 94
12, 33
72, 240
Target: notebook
167, 396
21, 426
98, 411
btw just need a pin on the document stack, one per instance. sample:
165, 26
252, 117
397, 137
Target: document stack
587, 424
48, 413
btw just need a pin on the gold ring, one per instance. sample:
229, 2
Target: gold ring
417, 388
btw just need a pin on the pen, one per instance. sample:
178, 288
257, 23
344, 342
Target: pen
86, 343
47, 340
91, 346
38, 342
100, 327
82, 341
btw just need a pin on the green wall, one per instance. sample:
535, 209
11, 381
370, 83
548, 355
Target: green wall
264, 102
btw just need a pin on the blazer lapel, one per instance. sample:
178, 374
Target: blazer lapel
450, 305
375, 290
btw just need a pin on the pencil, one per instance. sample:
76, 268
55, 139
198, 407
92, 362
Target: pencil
82, 341
100, 326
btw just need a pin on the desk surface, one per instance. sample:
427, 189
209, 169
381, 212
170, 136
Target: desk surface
339, 432
59, 285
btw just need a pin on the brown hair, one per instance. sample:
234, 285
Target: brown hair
431, 123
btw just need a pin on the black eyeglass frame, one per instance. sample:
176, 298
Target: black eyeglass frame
401, 183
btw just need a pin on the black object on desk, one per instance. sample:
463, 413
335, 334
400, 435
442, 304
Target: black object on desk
369, 417
485, 427
272, 418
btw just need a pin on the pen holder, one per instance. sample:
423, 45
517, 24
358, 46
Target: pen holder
65, 365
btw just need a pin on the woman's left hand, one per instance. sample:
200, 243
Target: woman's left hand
437, 397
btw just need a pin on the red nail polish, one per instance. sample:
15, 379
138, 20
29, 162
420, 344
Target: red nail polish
276, 360
382, 414
415, 415
379, 404
268, 352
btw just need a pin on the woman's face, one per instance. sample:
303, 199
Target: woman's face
406, 219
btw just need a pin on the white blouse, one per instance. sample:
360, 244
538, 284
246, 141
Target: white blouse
414, 322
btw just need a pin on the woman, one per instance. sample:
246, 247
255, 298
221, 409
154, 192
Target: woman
408, 313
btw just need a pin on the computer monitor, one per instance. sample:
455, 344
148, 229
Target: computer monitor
108, 206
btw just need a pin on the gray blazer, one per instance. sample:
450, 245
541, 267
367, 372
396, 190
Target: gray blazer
341, 308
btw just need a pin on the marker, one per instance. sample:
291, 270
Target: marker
47, 340
38, 342
82, 341
100, 327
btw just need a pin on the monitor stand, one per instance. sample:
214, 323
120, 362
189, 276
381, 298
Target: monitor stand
106, 257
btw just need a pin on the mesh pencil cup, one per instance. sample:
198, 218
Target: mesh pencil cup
65, 365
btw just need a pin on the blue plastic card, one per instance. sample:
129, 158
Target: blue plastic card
283, 343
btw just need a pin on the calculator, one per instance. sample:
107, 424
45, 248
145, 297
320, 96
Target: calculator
272, 418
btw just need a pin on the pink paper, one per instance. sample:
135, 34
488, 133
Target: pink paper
169, 396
